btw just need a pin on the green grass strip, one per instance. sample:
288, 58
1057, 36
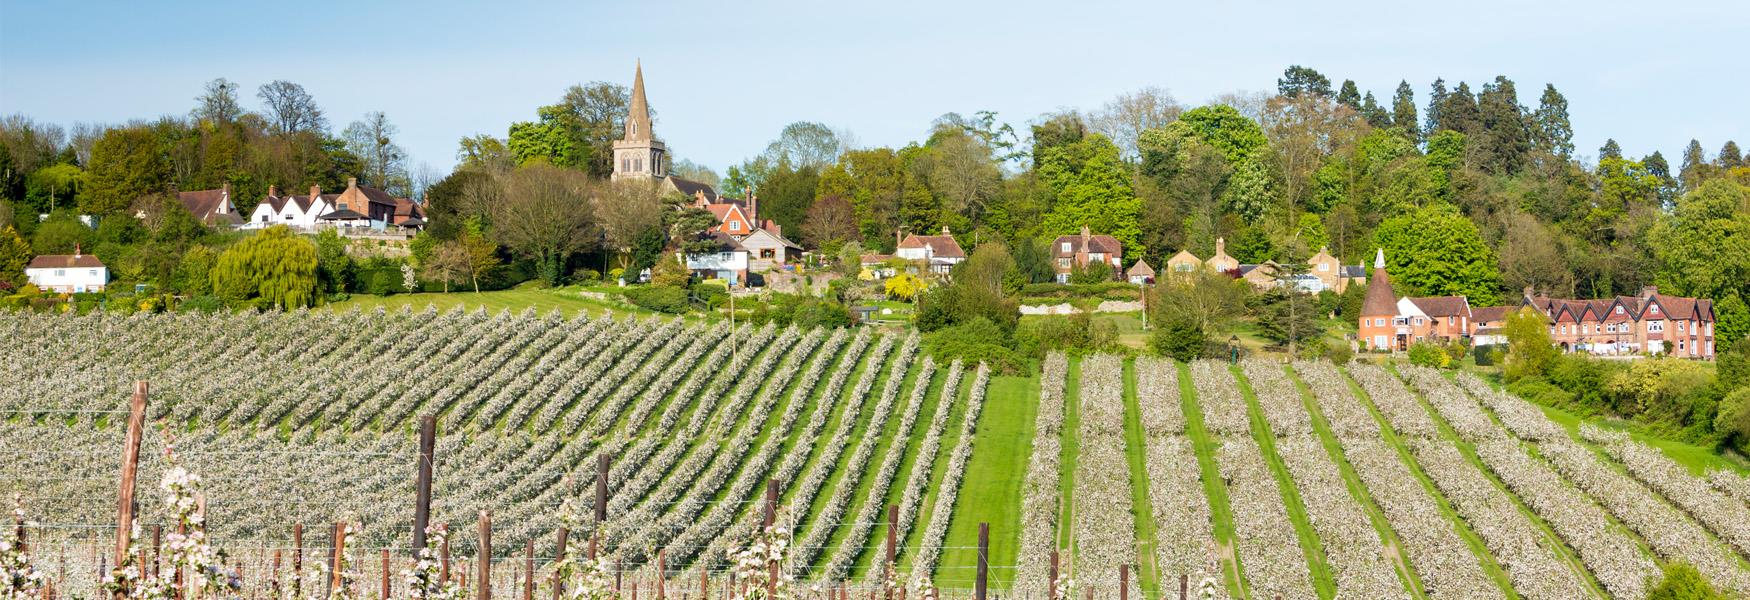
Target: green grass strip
1141, 505
1072, 421
1310, 544
1220, 512
1491, 567
1406, 574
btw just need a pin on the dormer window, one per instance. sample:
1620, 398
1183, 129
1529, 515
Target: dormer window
1065, 246
735, 225
1619, 310
1653, 309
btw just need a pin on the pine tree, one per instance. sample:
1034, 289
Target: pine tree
1730, 157
1506, 141
1403, 105
1375, 114
1436, 99
1297, 80
1694, 166
1610, 149
1458, 111
1551, 131
1658, 167
1350, 95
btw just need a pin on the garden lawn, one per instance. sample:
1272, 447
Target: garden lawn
991, 491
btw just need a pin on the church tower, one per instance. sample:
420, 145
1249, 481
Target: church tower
638, 154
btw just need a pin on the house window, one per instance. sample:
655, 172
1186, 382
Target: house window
1324, 266
264, 218
1655, 326
1619, 310
1063, 263
1419, 320
1182, 267
1584, 329
1451, 320
735, 225
60, 272
1680, 344
1653, 309
1065, 246
1379, 322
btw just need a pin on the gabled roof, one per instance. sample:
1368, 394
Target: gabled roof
64, 261
943, 246
1140, 268
723, 242
1095, 243
1443, 306
721, 210
689, 188
777, 239
206, 204
1490, 314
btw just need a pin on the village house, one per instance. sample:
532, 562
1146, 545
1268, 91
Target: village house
1140, 273
74, 273
366, 206
297, 212
212, 208
1488, 325
727, 259
1324, 271
938, 253
1073, 252
1648, 323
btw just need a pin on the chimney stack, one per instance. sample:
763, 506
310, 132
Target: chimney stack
1649, 291
76, 251
352, 182
315, 192
273, 191
1220, 246
225, 198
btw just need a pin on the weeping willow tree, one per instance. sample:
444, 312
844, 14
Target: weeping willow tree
274, 268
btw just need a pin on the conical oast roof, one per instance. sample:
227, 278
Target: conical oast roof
1379, 299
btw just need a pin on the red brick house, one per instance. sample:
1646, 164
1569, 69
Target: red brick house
1071, 252
1649, 323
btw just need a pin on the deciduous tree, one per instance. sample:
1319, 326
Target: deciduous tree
1436, 251
275, 267
290, 108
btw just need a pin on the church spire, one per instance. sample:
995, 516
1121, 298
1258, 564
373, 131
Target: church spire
638, 114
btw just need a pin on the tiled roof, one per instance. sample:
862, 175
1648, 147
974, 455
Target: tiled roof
689, 187
344, 214
64, 261
205, 204
944, 245
1490, 314
1140, 268
1443, 306
1096, 243
1379, 299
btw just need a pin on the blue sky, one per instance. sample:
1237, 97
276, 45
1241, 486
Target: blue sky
725, 77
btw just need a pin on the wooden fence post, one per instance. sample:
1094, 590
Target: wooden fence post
157, 549
297, 560
1124, 582
444, 561
892, 551
124, 529
385, 580
274, 580
983, 582
704, 583
559, 554
1051, 584
483, 556
1184, 586
422, 499
771, 520
529, 571
661, 573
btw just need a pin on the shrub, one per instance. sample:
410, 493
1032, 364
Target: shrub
665, 299
1682, 582
978, 340
1180, 339
1077, 333
1486, 356
1429, 354
1541, 391
1340, 354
